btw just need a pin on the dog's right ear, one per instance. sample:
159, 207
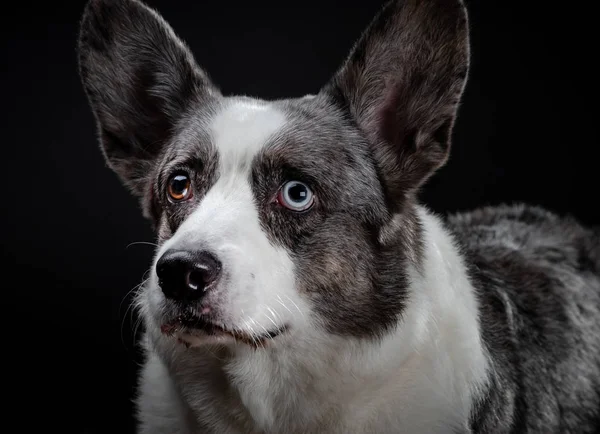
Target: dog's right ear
140, 79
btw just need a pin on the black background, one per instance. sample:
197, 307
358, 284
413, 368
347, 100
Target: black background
527, 131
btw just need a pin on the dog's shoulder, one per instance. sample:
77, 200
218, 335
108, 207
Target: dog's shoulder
537, 277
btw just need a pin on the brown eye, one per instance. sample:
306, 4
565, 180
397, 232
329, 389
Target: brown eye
179, 187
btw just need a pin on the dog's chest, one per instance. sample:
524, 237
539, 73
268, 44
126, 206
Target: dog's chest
251, 395
257, 396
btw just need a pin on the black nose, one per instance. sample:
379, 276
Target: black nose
186, 275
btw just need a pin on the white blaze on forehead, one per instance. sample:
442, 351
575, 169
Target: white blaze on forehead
242, 128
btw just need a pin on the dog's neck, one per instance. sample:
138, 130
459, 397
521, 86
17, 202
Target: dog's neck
435, 356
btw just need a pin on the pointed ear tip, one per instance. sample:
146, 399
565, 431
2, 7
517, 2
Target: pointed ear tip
97, 4
457, 10
102, 8
92, 7
449, 6
91, 10
84, 33
96, 16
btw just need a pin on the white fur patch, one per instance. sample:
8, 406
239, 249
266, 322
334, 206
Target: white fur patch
444, 361
240, 131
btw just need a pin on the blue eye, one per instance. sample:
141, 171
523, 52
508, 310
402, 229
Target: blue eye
296, 196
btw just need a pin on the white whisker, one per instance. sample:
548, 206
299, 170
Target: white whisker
278, 299
145, 243
130, 309
269, 317
295, 305
256, 335
209, 349
250, 328
275, 315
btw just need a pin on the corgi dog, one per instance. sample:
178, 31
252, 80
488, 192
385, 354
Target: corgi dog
299, 286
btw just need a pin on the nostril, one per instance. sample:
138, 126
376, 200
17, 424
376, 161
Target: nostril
195, 280
160, 269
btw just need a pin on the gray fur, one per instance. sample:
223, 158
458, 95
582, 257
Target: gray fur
364, 143
538, 277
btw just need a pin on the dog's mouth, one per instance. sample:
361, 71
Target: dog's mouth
193, 330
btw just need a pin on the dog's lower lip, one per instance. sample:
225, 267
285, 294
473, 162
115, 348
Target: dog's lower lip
189, 322
186, 324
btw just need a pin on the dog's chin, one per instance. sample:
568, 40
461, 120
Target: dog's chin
195, 331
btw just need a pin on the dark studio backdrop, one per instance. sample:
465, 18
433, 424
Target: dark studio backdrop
527, 131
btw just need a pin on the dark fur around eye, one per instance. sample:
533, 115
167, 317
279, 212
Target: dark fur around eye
201, 172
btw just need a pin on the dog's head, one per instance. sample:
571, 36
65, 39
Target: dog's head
277, 216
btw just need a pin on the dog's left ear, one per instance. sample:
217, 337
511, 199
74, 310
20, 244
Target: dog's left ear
402, 84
